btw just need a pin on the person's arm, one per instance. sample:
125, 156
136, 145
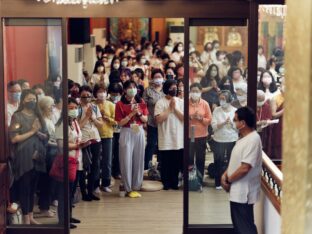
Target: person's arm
83, 121
179, 114
207, 89
207, 117
275, 114
214, 123
163, 116
239, 173
22, 137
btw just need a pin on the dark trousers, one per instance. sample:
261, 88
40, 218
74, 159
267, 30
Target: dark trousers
79, 179
106, 163
115, 163
61, 203
27, 184
94, 174
44, 187
151, 145
198, 152
170, 167
243, 218
222, 153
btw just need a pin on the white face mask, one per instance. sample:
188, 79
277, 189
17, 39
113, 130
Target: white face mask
180, 48
267, 80
40, 96
214, 73
158, 81
195, 96
116, 66
73, 113
143, 61
100, 69
224, 104
260, 104
124, 63
101, 96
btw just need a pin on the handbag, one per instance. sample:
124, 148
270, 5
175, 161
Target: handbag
57, 169
195, 178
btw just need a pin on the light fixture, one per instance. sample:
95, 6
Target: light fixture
84, 3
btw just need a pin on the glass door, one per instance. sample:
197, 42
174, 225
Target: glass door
217, 69
34, 92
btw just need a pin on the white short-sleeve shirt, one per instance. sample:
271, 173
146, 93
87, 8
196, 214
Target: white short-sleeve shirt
246, 150
171, 131
89, 130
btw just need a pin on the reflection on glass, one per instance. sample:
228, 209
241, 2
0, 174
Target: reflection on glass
32, 68
218, 86
271, 72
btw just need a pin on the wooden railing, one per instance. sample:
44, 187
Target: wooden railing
271, 181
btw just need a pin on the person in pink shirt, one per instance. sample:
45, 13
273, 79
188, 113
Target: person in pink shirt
200, 119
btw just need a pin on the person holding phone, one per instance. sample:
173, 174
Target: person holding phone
131, 113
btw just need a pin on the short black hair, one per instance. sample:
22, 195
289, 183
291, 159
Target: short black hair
97, 87
115, 88
248, 115
156, 71
167, 86
85, 88
196, 85
12, 83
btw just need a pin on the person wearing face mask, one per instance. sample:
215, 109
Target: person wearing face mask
205, 56
277, 108
135, 76
75, 146
227, 84
115, 91
225, 135
169, 46
142, 64
178, 53
90, 119
57, 87
29, 137
264, 114
180, 85
200, 119
14, 96
39, 90
169, 119
210, 84
124, 62
131, 113
151, 95
115, 64
45, 184
99, 75
242, 179
268, 85
225, 66
106, 131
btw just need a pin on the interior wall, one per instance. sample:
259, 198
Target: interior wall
26, 51
159, 25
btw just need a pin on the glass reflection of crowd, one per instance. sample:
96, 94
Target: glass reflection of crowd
134, 90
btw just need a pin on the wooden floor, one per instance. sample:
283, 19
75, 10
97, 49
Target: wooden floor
155, 213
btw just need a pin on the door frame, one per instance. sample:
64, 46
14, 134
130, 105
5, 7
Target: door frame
154, 8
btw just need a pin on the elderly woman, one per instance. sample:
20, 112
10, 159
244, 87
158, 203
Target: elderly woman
169, 118
45, 185
200, 118
225, 134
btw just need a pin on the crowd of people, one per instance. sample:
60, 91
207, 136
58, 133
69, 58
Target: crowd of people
130, 108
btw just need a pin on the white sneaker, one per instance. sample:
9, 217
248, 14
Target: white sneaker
107, 190
201, 189
218, 188
97, 191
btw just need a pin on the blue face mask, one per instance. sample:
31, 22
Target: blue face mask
16, 96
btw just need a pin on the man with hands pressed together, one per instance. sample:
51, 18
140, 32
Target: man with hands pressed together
243, 175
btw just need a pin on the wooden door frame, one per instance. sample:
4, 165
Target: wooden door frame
154, 8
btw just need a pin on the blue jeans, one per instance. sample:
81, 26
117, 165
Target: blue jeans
106, 164
151, 145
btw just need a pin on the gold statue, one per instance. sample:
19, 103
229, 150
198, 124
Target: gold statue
211, 34
234, 38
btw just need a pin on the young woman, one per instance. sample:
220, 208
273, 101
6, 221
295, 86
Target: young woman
29, 137
99, 76
131, 113
106, 131
268, 85
178, 53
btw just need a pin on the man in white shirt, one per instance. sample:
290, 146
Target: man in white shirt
243, 175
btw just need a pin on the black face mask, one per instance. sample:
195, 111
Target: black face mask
227, 87
172, 92
30, 105
169, 77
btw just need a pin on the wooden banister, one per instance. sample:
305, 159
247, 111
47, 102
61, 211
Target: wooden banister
271, 181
